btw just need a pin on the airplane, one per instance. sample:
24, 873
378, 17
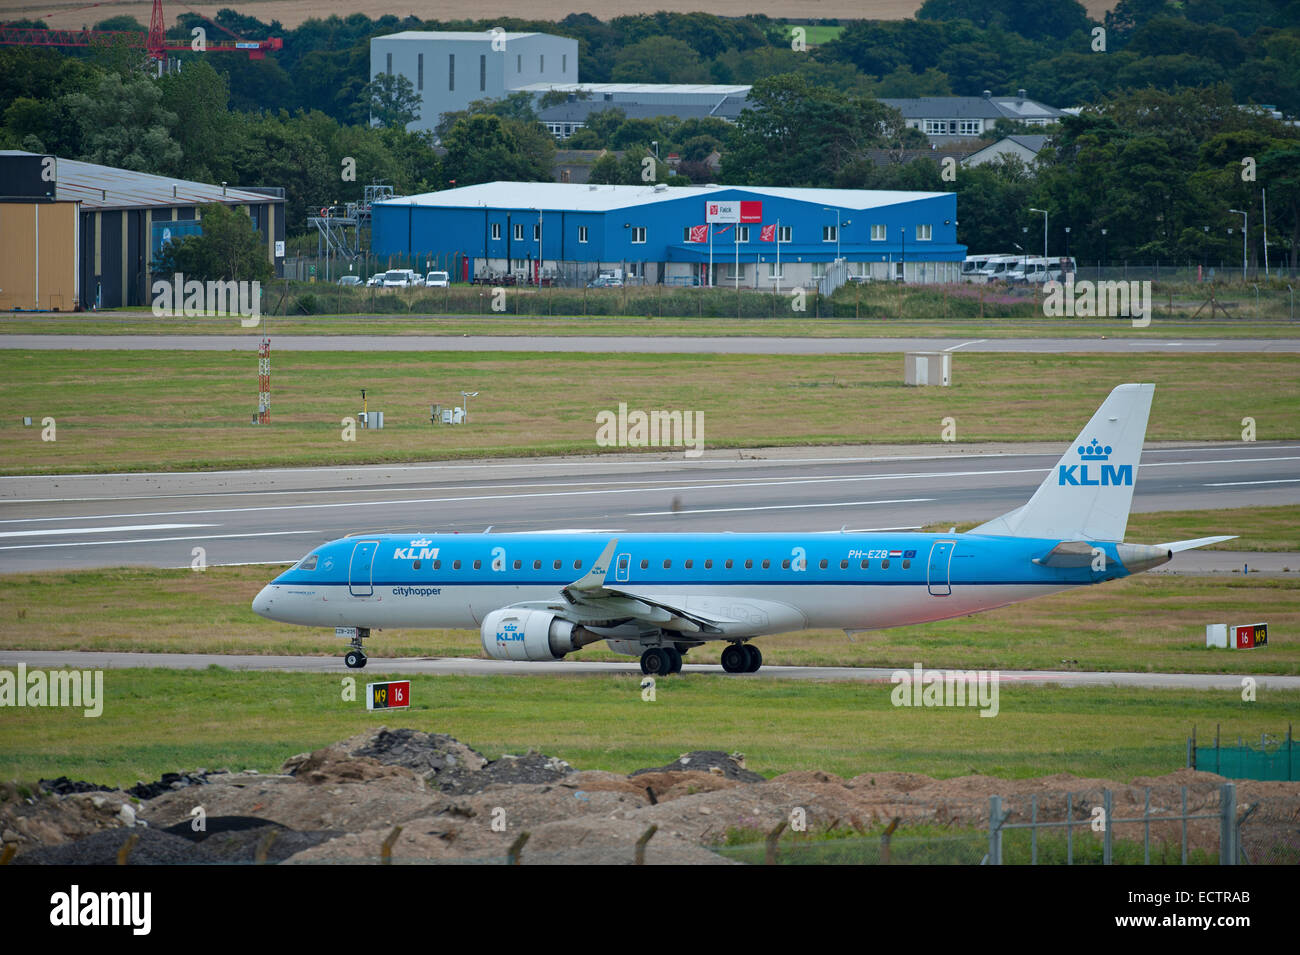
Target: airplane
542, 596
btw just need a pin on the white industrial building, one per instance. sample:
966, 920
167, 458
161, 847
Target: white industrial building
450, 70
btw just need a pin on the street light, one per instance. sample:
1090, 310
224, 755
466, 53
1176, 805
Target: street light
1044, 212
838, 223
1245, 231
468, 395
1103, 253
1067, 243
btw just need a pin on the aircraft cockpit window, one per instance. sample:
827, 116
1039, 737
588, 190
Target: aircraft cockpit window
307, 563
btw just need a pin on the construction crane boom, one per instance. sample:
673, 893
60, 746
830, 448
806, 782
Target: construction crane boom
155, 41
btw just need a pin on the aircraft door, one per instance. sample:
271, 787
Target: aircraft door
361, 569
940, 559
622, 567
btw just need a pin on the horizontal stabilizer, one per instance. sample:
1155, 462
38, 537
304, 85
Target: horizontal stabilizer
1177, 546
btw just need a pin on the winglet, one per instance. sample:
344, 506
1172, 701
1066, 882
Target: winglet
593, 581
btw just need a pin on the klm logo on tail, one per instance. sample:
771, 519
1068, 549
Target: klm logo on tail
1111, 475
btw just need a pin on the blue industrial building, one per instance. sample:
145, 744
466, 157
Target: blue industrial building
661, 234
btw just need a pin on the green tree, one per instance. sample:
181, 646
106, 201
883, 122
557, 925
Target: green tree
486, 148
124, 124
228, 249
659, 59
392, 100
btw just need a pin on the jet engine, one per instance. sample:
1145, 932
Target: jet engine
532, 635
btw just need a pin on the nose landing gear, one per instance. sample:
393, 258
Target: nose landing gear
355, 658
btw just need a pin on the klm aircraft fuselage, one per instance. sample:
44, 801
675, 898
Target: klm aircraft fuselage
541, 596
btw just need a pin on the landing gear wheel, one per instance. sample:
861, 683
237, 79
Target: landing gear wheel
734, 658
656, 662
753, 658
675, 659
355, 659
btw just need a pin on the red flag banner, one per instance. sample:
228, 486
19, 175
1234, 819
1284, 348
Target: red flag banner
699, 233
767, 234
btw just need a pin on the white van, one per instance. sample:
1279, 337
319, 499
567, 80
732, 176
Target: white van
401, 278
997, 267
437, 280
973, 264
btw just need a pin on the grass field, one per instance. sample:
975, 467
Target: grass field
1146, 623
219, 719
137, 323
144, 411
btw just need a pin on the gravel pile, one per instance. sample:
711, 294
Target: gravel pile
728, 765
63, 786
152, 848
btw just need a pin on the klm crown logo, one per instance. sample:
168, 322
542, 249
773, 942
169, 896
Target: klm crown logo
1095, 452
1110, 475
422, 542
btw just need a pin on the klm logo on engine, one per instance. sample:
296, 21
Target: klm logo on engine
1107, 475
510, 634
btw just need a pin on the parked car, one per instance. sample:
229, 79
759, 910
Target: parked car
437, 280
350, 280
605, 281
375, 280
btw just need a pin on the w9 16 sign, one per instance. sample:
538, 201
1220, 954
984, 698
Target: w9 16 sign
388, 696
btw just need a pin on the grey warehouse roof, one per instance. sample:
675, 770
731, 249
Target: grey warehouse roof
972, 107
453, 35
711, 89
591, 198
579, 110
106, 187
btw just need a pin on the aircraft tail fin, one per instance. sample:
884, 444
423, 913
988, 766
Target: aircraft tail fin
1088, 494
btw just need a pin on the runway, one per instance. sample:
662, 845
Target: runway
1123, 342
277, 515
461, 666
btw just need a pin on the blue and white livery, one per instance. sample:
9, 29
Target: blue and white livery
542, 596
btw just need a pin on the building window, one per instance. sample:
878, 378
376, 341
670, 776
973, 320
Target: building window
818, 269
519, 63
686, 233
636, 269
638, 234
969, 127
774, 271
482, 72
784, 233
541, 63
388, 60
735, 273
879, 232
582, 233
519, 232
451, 72
830, 233
419, 71
742, 233
924, 232
496, 231
537, 232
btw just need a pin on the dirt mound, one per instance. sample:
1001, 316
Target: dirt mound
729, 766
506, 771
151, 848
63, 786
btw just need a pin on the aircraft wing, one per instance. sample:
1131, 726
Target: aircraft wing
593, 602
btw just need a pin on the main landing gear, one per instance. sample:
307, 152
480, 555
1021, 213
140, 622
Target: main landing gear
741, 658
661, 661
355, 658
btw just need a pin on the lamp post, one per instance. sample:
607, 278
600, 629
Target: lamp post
837, 228
1103, 253
468, 395
1067, 243
1044, 212
1245, 231
902, 254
